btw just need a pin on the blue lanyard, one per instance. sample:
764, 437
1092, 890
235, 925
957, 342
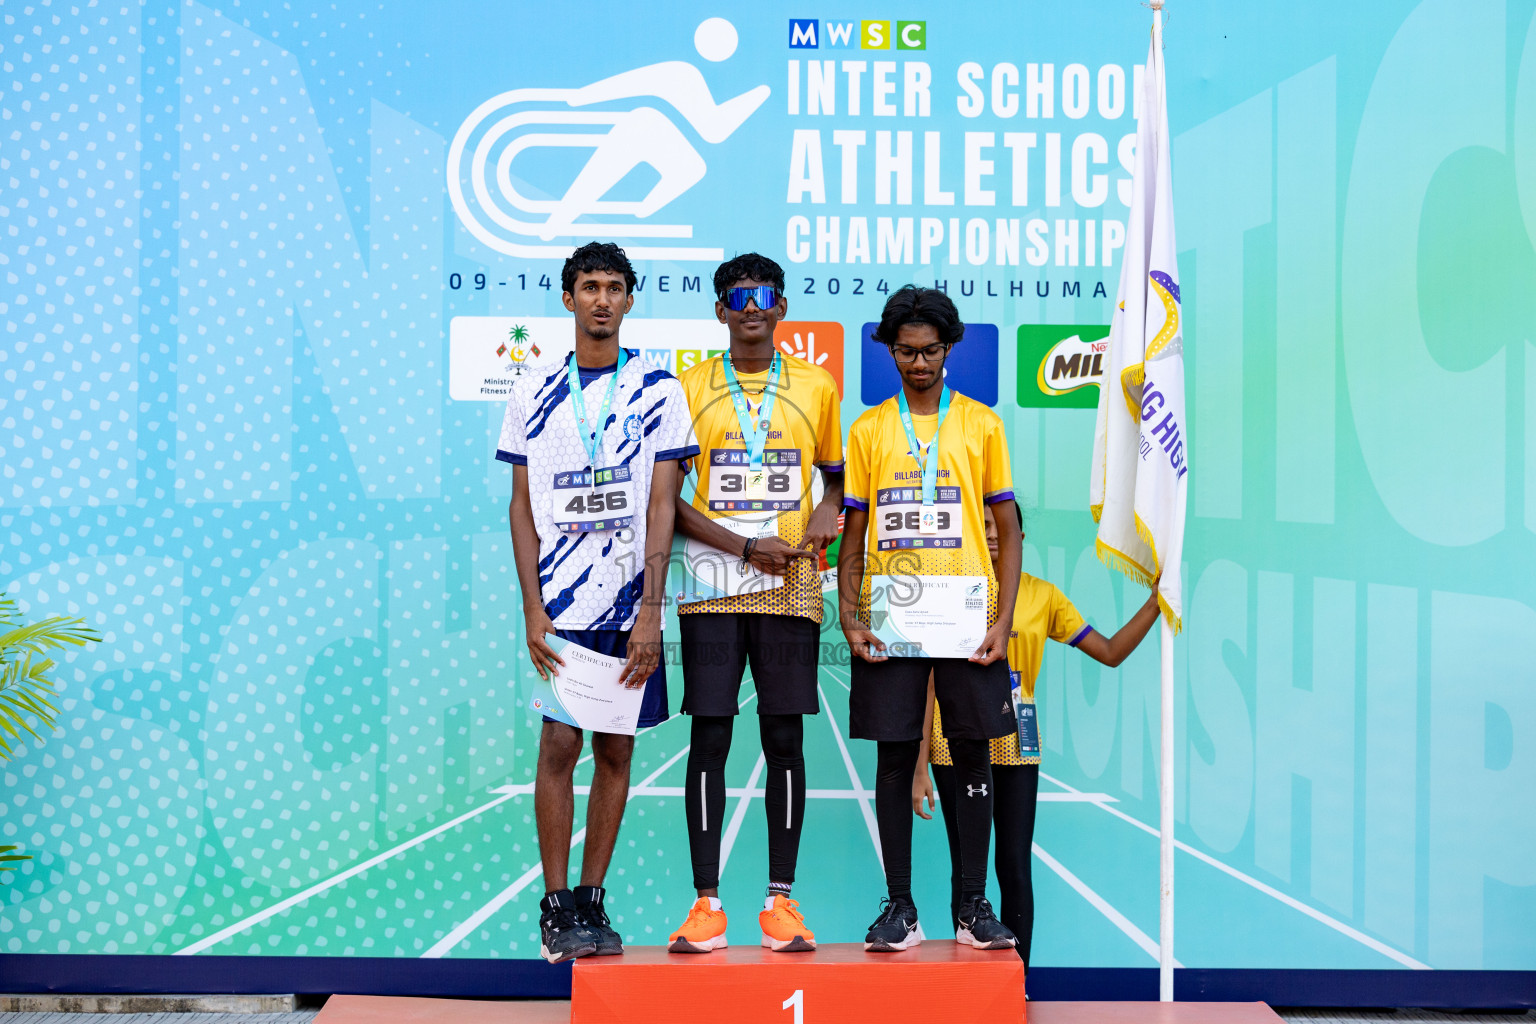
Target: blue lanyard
591, 431
930, 465
753, 435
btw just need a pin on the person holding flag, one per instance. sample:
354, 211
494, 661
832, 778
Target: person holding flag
600, 429
767, 423
917, 593
1040, 613
1140, 469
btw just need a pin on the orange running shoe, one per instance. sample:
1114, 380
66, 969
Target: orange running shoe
784, 930
703, 931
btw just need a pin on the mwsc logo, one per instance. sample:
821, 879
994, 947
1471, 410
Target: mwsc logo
810, 34
495, 206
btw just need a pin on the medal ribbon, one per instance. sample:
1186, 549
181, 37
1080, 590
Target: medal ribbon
753, 435
930, 465
591, 431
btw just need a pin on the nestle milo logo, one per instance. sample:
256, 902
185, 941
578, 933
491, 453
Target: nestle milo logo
1058, 362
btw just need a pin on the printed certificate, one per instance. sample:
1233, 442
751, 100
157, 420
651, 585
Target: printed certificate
709, 572
587, 693
928, 616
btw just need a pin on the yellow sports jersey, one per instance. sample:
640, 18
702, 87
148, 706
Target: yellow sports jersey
805, 434
884, 479
1041, 612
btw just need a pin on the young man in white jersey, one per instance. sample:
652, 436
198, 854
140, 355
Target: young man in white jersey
615, 428
922, 466
767, 423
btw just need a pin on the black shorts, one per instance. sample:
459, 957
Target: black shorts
887, 699
783, 651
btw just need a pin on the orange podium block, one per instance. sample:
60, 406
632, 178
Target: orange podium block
841, 983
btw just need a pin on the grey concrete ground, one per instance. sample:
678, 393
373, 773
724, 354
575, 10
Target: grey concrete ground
193, 1017
153, 1004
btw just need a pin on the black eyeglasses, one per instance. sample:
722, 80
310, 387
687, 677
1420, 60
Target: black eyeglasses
931, 354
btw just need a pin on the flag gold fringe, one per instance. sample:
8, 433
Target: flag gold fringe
1133, 377
1145, 533
1097, 510
1174, 621
1124, 563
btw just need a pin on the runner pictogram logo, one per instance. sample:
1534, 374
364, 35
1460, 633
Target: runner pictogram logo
612, 122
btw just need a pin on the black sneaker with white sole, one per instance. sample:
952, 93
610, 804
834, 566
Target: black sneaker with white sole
980, 927
895, 928
591, 915
562, 935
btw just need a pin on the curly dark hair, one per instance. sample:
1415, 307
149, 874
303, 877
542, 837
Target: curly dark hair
597, 256
749, 266
910, 304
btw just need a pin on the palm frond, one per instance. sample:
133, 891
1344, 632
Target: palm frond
24, 695
25, 690
48, 634
8, 860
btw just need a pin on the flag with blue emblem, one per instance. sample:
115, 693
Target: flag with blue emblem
1140, 469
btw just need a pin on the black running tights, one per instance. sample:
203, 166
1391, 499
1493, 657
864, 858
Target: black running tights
897, 760
783, 740
1013, 812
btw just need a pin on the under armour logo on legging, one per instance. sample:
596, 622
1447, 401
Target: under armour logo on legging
976, 790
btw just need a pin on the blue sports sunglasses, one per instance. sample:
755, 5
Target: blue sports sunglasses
765, 295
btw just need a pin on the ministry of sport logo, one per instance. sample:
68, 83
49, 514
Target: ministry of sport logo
518, 349
626, 121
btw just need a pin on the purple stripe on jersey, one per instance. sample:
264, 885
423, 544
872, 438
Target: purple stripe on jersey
831, 467
849, 501
1080, 635
997, 496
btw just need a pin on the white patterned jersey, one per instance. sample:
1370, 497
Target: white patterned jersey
593, 578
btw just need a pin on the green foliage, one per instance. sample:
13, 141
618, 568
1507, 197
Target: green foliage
25, 690
26, 693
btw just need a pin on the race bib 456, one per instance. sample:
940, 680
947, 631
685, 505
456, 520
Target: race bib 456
586, 500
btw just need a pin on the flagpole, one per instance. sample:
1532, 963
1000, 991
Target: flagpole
1165, 776
1165, 823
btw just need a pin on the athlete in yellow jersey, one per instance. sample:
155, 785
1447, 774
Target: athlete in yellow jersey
919, 593
767, 423
1041, 612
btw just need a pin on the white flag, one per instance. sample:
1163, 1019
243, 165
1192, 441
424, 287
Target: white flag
1141, 445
